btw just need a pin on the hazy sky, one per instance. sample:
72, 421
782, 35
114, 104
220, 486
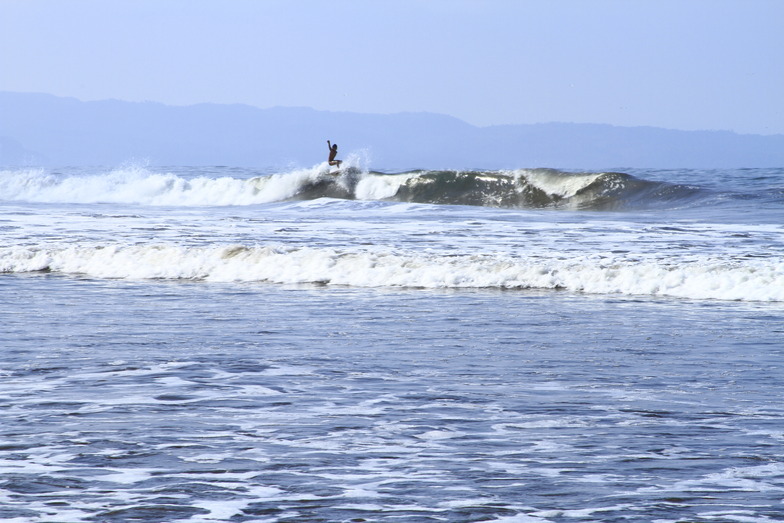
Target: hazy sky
680, 64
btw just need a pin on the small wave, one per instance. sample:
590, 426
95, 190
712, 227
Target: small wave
695, 278
518, 189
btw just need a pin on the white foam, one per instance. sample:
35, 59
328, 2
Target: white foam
128, 476
519, 518
590, 512
224, 510
359, 492
558, 183
439, 435
375, 187
697, 278
137, 185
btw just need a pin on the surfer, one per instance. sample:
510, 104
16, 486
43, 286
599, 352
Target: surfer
333, 152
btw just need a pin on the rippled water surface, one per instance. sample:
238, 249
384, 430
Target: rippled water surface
166, 401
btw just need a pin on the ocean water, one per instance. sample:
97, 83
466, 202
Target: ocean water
223, 344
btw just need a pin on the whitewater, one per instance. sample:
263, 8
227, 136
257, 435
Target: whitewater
535, 345
372, 228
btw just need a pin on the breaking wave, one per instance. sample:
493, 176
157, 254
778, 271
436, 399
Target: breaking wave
698, 278
520, 189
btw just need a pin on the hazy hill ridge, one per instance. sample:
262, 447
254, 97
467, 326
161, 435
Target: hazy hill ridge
39, 129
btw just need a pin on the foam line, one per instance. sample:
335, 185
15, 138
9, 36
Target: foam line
697, 277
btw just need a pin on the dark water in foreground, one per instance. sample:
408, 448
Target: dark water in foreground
164, 401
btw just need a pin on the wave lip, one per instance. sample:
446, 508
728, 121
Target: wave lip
697, 278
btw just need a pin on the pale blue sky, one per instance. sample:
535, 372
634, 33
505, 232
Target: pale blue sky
679, 64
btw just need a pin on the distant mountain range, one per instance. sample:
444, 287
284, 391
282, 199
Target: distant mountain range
45, 130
